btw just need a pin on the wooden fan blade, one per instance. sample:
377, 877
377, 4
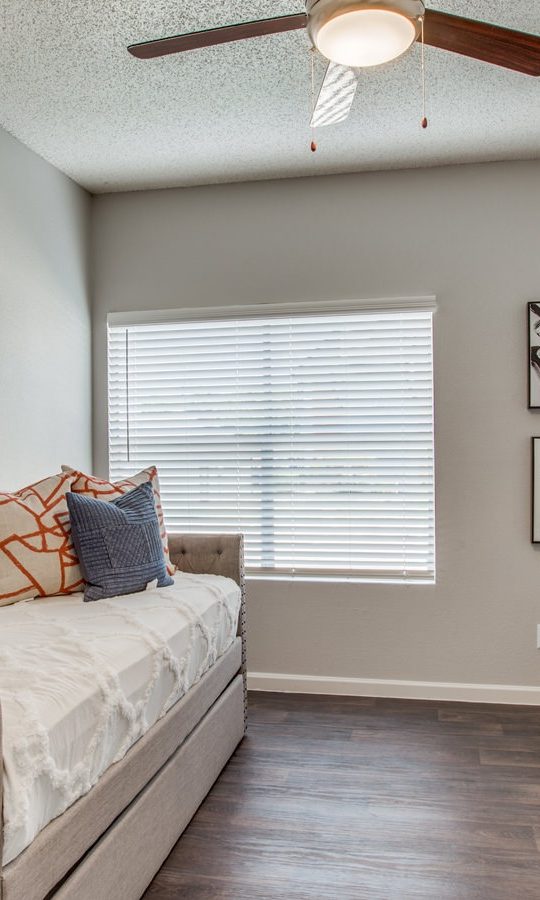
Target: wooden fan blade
197, 39
500, 46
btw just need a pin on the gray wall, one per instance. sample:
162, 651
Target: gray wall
471, 235
45, 322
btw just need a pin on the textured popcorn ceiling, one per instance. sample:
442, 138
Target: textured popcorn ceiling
70, 90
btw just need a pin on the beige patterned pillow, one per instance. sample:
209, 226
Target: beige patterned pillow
36, 553
108, 490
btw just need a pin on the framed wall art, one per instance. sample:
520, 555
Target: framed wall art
534, 355
535, 518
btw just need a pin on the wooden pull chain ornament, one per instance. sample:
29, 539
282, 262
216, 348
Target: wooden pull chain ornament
424, 117
313, 141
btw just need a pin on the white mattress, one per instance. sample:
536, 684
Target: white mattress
81, 682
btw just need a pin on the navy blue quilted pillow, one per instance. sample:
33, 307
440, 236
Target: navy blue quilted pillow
118, 543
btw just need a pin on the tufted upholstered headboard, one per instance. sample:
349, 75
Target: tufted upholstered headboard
215, 554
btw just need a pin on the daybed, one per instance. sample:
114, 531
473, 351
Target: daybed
111, 841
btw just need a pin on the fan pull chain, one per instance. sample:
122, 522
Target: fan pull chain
313, 141
424, 117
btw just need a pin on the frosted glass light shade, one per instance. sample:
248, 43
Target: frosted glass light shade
365, 37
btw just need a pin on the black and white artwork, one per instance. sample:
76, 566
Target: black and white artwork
534, 355
535, 536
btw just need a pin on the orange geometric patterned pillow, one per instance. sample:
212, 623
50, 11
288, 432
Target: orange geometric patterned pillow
108, 490
36, 553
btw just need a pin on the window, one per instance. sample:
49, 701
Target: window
311, 432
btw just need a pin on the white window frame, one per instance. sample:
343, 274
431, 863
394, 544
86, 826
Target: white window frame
426, 303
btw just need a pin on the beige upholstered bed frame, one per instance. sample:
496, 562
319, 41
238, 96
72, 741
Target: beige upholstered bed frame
110, 843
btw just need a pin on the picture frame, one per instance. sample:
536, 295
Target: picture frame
535, 490
533, 319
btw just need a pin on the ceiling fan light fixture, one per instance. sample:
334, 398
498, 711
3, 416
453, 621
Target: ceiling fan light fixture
365, 37
364, 33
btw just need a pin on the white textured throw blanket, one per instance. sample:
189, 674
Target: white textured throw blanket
81, 682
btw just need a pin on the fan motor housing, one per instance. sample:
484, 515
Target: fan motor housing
320, 12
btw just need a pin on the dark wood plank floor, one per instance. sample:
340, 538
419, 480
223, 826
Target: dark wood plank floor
332, 798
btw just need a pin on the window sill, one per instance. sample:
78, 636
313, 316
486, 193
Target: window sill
340, 579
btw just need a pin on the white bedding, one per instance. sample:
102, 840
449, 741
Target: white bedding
81, 682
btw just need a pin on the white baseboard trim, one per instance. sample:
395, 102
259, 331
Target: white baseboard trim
528, 695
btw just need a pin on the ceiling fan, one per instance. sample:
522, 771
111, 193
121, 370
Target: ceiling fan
357, 34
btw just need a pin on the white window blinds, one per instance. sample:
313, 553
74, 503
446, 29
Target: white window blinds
310, 433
